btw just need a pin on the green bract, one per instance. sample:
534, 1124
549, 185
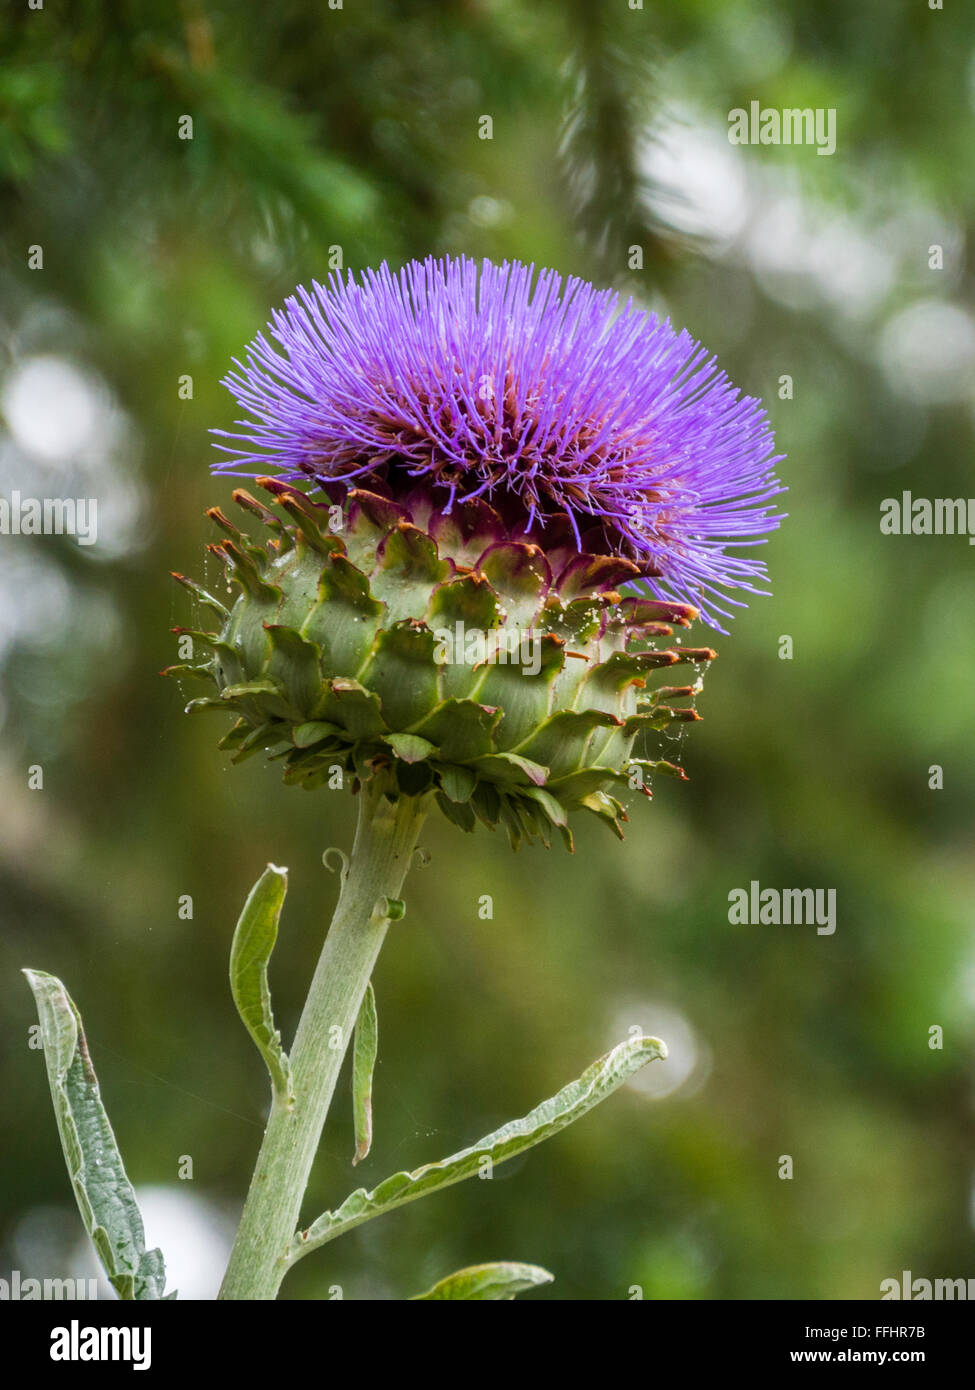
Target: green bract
510, 681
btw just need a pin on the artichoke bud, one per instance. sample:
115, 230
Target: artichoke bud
513, 682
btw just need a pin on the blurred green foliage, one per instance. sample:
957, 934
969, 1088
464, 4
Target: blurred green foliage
357, 129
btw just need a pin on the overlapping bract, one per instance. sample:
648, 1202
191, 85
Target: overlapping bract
329, 657
548, 400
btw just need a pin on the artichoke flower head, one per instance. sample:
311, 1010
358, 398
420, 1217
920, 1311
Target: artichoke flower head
489, 501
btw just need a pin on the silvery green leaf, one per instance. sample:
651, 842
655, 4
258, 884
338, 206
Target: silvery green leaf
103, 1192
257, 931
570, 1104
487, 1282
364, 1048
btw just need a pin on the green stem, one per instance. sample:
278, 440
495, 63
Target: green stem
385, 839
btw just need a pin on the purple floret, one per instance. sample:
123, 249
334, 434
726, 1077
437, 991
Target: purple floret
489, 381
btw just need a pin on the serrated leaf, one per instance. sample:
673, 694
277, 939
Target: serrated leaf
537, 821
205, 702
458, 812
668, 769
622, 669
458, 783
520, 574
198, 592
561, 743
296, 664
402, 672
102, 1189
200, 673
345, 618
638, 611
309, 517
462, 533
571, 790
365, 1045
459, 608
354, 708
550, 804
265, 736
408, 568
512, 768
486, 802
306, 735
461, 729
576, 621
518, 825
243, 570
410, 747
470, 600
524, 698
558, 1112
262, 685
254, 939
585, 572
607, 808
235, 736
502, 1280
370, 516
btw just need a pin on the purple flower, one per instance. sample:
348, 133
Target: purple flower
546, 399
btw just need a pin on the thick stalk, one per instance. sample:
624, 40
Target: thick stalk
385, 839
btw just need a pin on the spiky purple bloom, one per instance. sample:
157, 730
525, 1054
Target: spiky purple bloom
546, 399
